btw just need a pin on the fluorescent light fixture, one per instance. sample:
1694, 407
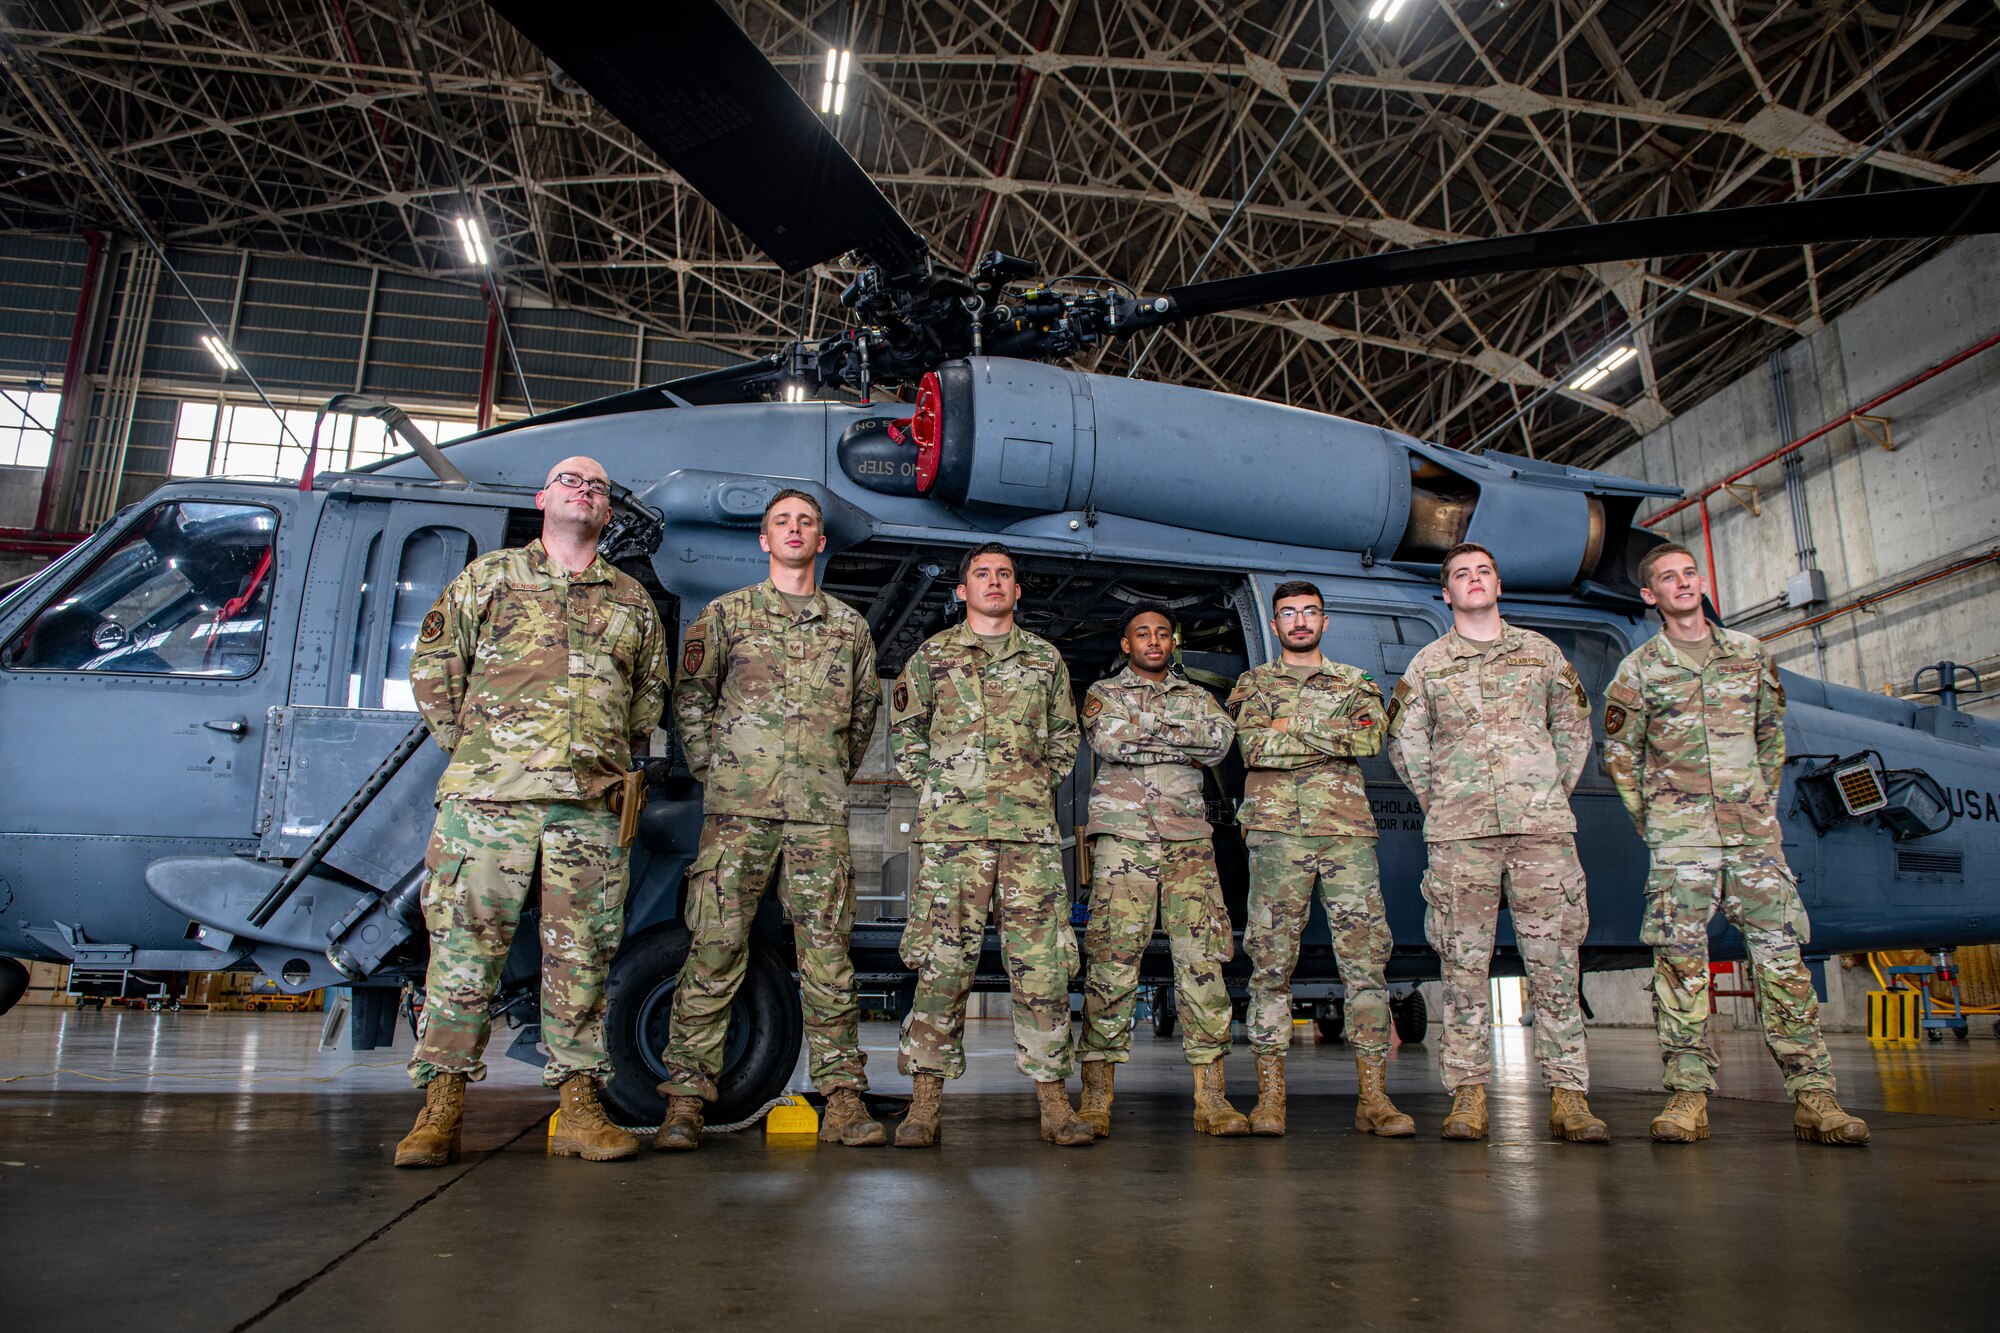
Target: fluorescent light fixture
220, 351
474, 243
1604, 365
1384, 10
795, 392
833, 92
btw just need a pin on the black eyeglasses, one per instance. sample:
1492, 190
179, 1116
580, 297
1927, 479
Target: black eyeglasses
578, 482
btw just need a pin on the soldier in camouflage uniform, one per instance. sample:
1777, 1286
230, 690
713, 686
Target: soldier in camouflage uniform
775, 707
1490, 728
1695, 741
1304, 723
984, 728
1152, 733
542, 671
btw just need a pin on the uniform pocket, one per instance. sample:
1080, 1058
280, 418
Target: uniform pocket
701, 895
1656, 922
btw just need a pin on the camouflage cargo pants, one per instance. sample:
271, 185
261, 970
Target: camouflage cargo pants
482, 858
724, 886
1021, 885
1284, 869
1758, 895
1545, 893
1132, 882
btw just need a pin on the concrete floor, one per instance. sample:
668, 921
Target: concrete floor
218, 1171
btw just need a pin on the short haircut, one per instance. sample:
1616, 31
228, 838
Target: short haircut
986, 548
1463, 548
790, 494
1143, 609
1656, 555
1295, 588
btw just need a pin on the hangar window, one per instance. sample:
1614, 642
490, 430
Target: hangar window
245, 440
27, 427
185, 592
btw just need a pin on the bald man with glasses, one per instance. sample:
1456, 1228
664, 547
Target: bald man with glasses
542, 671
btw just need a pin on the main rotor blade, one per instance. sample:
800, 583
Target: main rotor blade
1953, 210
697, 91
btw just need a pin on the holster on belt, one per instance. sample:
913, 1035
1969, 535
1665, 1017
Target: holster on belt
628, 802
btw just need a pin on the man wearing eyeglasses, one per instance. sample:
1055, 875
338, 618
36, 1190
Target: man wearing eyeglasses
1490, 728
775, 706
1304, 723
541, 670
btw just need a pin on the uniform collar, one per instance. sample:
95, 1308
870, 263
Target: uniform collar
1127, 678
1322, 667
772, 602
962, 634
1666, 654
1460, 646
595, 572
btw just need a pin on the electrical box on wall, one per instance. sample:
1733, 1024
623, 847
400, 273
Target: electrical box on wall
1805, 588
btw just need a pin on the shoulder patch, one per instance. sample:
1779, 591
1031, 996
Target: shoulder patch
433, 629
1093, 704
1614, 719
1621, 693
900, 700
693, 655
1401, 693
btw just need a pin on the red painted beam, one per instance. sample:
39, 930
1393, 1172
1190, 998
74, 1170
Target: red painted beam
60, 446
1833, 425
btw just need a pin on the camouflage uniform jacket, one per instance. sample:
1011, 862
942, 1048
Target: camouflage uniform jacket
1306, 780
1491, 740
1151, 742
775, 711
1697, 755
541, 684
984, 739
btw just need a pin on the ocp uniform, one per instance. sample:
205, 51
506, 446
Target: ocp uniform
541, 684
775, 709
1697, 754
1492, 740
1307, 823
1151, 857
985, 738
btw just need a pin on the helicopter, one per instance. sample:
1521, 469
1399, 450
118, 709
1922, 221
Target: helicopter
219, 766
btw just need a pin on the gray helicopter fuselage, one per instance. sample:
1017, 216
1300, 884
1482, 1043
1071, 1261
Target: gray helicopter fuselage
111, 772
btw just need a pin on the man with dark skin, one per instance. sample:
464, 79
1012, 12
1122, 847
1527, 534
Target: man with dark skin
1150, 857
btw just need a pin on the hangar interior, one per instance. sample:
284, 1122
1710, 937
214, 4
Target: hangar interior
216, 217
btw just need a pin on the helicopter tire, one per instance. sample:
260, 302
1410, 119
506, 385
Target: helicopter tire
13, 982
1330, 1019
1412, 1018
1166, 1014
759, 1049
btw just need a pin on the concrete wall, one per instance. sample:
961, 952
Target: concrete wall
1878, 517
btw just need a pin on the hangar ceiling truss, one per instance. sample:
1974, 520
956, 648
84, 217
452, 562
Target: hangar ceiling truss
1100, 137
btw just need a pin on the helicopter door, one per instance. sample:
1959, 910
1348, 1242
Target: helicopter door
133, 702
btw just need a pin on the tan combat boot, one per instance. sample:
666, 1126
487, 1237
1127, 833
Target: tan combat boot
1375, 1113
1060, 1124
1095, 1108
681, 1130
582, 1128
1570, 1118
847, 1121
433, 1140
1684, 1120
920, 1127
1819, 1119
1468, 1113
1267, 1117
1212, 1112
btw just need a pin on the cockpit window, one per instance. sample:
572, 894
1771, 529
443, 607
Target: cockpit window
185, 592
